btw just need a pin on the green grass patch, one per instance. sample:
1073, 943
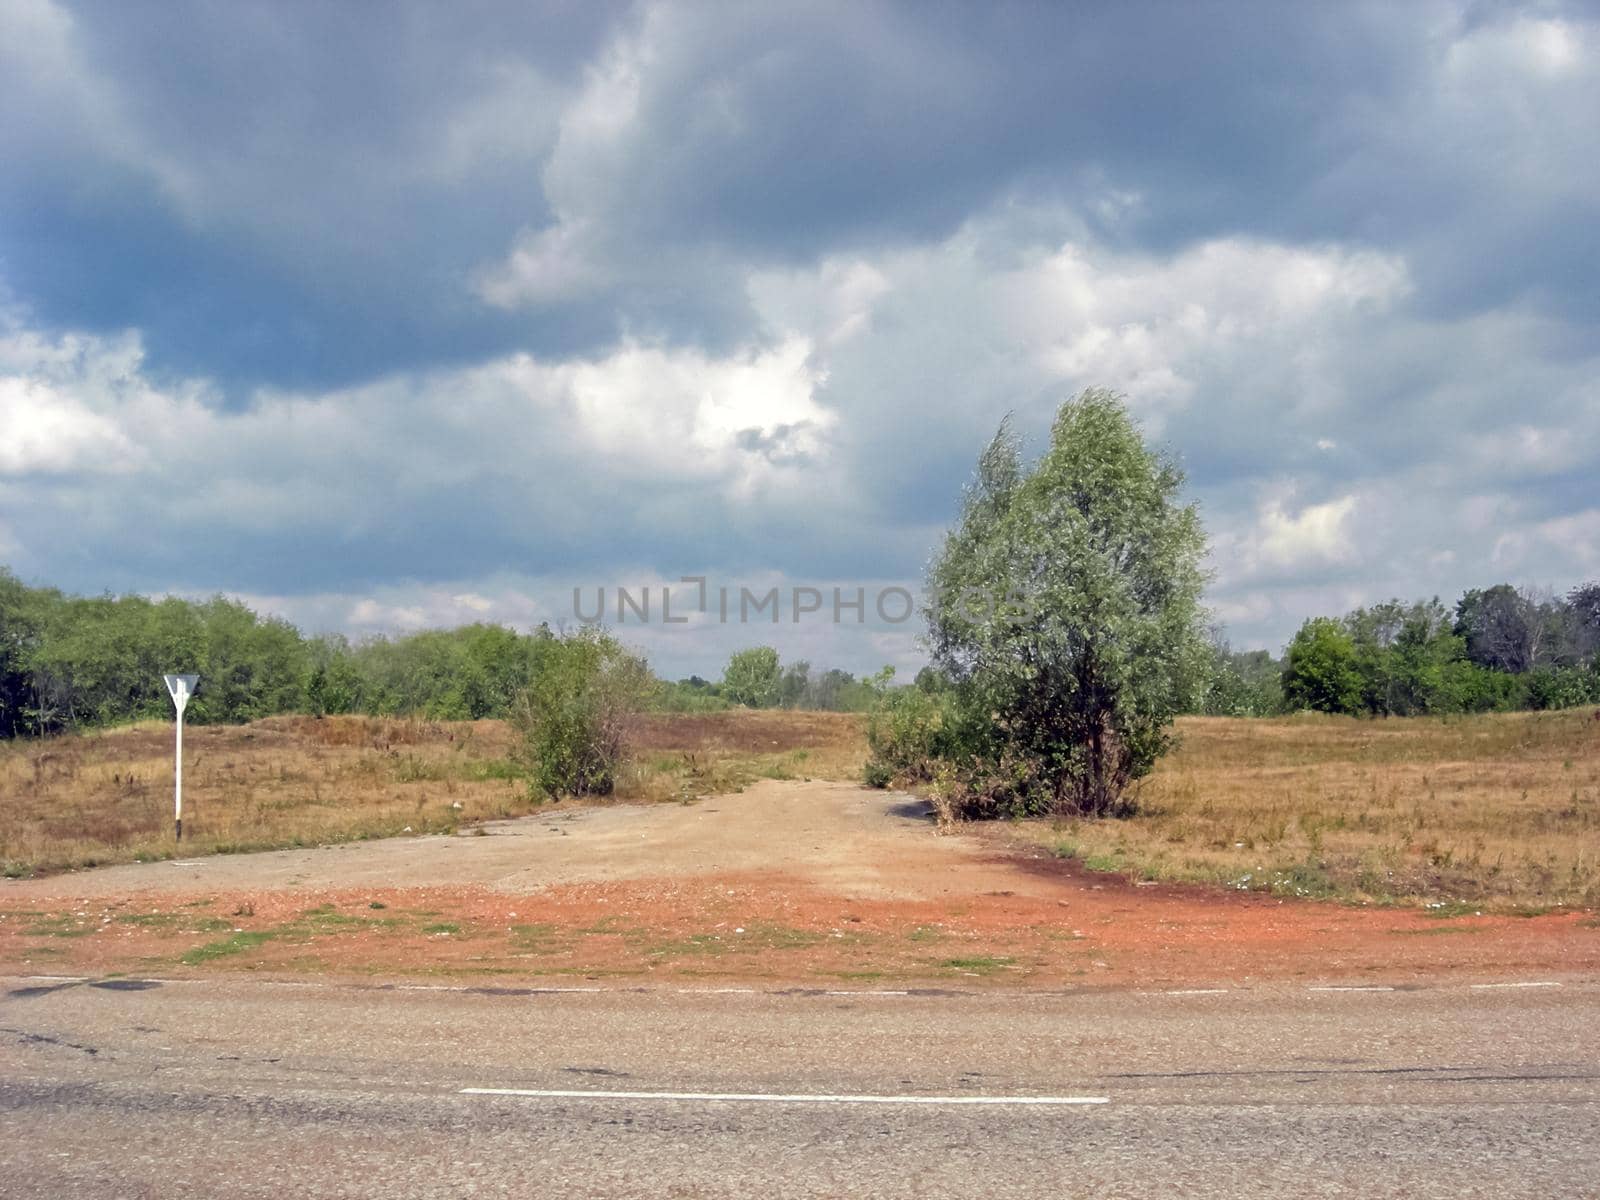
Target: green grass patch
694, 944
1450, 909
982, 964
1437, 930
606, 925
60, 927
494, 768
239, 943
763, 936
537, 939
175, 922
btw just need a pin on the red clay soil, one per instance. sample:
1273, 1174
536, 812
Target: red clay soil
811, 884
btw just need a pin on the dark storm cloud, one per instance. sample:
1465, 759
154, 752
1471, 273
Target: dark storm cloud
284, 193
320, 182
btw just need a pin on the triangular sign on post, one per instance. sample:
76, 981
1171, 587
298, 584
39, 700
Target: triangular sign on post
181, 688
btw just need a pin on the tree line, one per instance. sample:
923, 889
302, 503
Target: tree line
1498, 649
78, 662
73, 662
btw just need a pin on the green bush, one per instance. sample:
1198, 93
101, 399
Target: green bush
909, 732
688, 696
572, 718
1562, 687
752, 677
1320, 669
876, 774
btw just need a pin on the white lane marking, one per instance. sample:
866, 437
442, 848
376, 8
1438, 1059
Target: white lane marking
57, 978
1351, 988
728, 991
1540, 983
485, 988
1197, 992
852, 992
780, 1097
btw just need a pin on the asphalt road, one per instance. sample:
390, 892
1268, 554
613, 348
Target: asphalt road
248, 1088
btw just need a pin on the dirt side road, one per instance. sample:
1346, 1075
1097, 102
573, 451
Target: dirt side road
786, 881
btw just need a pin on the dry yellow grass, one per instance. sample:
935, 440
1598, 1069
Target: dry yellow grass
1499, 811
86, 799
83, 799
680, 756
1494, 811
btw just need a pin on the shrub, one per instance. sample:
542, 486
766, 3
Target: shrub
876, 774
752, 677
909, 732
986, 787
1562, 687
573, 717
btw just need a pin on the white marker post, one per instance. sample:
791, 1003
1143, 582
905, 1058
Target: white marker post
181, 688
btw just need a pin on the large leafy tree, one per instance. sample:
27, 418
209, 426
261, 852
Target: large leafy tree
1507, 629
1583, 605
1065, 606
1321, 668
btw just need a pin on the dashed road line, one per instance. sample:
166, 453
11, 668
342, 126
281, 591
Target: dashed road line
1351, 988
783, 1097
1542, 983
484, 989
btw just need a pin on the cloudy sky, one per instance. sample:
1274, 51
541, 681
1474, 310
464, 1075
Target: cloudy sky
390, 316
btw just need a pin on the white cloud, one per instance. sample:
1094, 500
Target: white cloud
684, 413
1316, 535
833, 301
564, 261
43, 431
1524, 46
78, 402
546, 266
1571, 540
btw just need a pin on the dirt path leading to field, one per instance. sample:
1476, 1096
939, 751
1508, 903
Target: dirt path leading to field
834, 836
786, 881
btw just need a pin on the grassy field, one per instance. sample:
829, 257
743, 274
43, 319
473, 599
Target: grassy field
1493, 812
87, 799
1499, 811
695, 754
